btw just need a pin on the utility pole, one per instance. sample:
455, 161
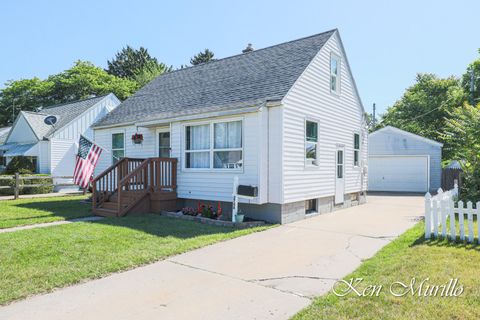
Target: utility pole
373, 116
13, 110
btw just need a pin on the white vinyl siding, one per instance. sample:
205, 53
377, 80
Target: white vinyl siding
62, 159
340, 116
215, 185
21, 132
82, 124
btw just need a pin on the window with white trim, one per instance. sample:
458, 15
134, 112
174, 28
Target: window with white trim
226, 151
356, 149
311, 142
118, 146
334, 73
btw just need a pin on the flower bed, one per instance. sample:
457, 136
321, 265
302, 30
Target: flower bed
215, 222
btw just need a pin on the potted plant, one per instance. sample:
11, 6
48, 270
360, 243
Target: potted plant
240, 216
137, 138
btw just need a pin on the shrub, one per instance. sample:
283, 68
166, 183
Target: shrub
22, 165
44, 188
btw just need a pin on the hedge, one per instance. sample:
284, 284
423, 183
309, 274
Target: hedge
27, 190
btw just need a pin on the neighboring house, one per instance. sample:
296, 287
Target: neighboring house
286, 119
3, 135
52, 148
402, 161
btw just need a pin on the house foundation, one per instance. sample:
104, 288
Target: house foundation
279, 213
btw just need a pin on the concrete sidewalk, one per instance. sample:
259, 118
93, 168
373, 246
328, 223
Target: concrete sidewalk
267, 275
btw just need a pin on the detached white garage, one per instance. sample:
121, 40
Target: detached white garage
399, 161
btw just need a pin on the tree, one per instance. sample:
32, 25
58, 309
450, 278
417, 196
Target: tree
84, 80
149, 72
81, 81
425, 105
130, 61
202, 57
25, 94
473, 97
461, 132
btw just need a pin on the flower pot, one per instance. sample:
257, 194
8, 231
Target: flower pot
239, 217
138, 141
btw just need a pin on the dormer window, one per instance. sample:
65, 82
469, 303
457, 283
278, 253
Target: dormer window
334, 73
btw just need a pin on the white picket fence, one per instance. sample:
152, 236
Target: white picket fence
441, 207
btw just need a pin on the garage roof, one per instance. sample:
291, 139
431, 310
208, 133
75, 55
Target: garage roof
406, 133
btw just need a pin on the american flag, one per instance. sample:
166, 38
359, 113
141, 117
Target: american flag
87, 158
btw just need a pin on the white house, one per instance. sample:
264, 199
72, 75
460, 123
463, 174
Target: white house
401, 161
286, 119
52, 148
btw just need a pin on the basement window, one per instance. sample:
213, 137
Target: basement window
311, 206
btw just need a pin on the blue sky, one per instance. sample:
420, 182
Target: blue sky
387, 42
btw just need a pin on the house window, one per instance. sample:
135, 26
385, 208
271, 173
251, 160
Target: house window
197, 146
311, 142
118, 146
227, 153
334, 73
356, 149
224, 153
311, 206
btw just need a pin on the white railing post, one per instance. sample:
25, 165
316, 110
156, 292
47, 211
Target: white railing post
435, 217
428, 209
455, 189
444, 212
235, 199
470, 221
461, 220
453, 236
478, 221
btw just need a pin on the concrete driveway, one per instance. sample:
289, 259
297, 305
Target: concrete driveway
266, 275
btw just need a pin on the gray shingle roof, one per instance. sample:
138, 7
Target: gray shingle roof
260, 75
65, 113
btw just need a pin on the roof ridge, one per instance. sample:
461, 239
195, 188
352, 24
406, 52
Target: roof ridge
72, 102
245, 53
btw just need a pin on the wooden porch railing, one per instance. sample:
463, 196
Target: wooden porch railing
129, 180
106, 183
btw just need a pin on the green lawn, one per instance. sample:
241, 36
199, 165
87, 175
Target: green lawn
38, 210
39, 260
409, 256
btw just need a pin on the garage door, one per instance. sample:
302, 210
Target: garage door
398, 173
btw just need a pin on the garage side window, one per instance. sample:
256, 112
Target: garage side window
356, 150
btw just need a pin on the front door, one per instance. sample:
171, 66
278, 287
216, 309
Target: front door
339, 175
163, 138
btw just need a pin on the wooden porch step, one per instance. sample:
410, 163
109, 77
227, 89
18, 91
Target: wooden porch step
109, 205
105, 212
